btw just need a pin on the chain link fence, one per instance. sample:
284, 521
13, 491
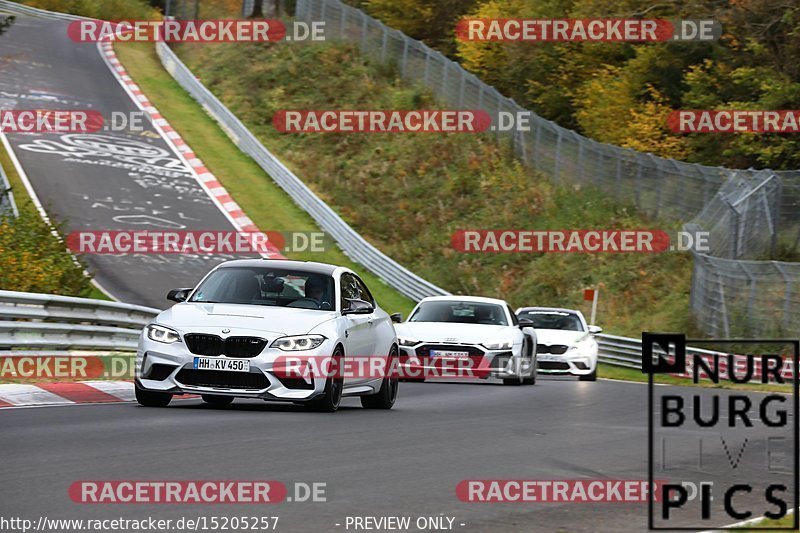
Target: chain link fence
750, 215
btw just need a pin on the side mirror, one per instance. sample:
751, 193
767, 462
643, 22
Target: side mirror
525, 322
595, 329
396, 318
358, 307
179, 295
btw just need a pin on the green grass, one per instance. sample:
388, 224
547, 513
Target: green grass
264, 202
407, 193
630, 374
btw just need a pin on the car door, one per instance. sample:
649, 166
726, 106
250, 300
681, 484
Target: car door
358, 334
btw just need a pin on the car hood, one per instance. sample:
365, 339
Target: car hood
445, 332
559, 336
279, 320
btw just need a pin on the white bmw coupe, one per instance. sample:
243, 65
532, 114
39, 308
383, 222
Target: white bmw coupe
227, 337
467, 337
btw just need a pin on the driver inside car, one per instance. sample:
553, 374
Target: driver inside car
315, 289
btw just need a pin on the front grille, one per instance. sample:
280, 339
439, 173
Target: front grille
221, 379
201, 344
553, 365
556, 349
212, 345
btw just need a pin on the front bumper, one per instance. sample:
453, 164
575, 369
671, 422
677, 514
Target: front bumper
416, 363
575, 365
170, 368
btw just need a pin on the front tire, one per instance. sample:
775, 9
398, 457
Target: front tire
152, 399
386, 396
589, 377
334, 385
217, 400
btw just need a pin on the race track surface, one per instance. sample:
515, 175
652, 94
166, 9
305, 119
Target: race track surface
404, 462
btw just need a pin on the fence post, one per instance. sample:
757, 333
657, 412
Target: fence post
385, 39
342, 21
536, 144
557, 159
363, 31
461, 90
734, 230
787, 296
427, 66
405, 57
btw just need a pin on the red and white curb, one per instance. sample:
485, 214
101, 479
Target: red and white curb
65, 393
68, 393
205, 178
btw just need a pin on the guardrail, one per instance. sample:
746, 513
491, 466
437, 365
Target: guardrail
29, 320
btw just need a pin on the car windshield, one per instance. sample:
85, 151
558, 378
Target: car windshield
267, 286
554, 320
460, 313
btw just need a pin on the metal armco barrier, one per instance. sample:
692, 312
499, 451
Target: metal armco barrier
29, 320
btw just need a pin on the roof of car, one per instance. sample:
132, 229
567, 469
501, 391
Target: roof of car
305, 266
457, 298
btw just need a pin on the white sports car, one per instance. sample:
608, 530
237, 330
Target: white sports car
467, 336
228, 337
566, 342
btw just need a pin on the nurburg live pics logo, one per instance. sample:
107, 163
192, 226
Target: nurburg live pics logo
730, 455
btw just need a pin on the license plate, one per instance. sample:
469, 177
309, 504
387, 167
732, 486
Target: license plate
449, 354
227, 365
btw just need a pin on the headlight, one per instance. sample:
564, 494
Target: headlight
161, 334
501, 345
406, 341
298, 342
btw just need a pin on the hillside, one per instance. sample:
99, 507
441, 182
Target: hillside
407, 193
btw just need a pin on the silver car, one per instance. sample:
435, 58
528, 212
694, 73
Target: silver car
467, 337
232, 335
